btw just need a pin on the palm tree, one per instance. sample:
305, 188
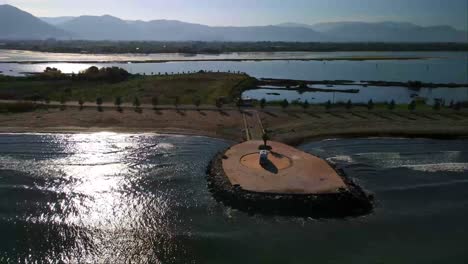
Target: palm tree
284, 104
154, 102
197, 102
99, 103
349, 105
136, 103
328, 105
391, 106
81, 103
370, 105
262, 103
265, 138
305, 105
239, 103
118, 103
47, 101
176, 101
219, 103
436, 106
63, 101
412, 106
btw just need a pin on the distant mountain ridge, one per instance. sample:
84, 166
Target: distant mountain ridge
17, 24
90, 28
390, 32
54, 21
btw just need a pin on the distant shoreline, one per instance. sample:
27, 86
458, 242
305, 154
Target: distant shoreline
227, 60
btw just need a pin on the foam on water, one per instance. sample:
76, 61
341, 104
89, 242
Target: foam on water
439, 167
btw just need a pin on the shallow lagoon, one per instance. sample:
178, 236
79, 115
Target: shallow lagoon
379, 94
442, 67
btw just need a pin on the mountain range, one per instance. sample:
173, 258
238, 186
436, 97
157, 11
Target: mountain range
16, 24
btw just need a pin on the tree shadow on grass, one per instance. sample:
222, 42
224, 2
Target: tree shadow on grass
425, 116
336, 115
403, 116
449, 116
270, 114
293, 115
381, 116
358, 115
138, 110
314, 115
462, 114
224, 113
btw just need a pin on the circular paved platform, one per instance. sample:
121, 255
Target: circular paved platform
290, 170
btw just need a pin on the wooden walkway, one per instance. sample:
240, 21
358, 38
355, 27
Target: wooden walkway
253, 126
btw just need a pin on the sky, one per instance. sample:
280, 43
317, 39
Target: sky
260, 12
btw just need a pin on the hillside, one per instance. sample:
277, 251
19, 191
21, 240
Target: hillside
17, 24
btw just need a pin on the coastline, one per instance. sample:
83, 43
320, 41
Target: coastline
293, 128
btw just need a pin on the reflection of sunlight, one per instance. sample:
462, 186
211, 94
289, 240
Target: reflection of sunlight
105, 197
99, 165
96, 175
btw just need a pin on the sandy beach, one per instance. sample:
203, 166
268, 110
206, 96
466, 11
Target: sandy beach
292, 126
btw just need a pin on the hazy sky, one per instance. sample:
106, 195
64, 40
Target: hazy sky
260, 12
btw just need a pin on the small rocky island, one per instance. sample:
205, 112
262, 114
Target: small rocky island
286, 182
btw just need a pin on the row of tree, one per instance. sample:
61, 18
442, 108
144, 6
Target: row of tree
370, 105
219, 103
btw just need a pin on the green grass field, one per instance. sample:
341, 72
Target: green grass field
208, 87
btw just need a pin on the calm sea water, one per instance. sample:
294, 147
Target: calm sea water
443, 67
143, 198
